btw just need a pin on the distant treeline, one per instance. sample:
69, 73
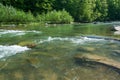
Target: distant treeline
81, 10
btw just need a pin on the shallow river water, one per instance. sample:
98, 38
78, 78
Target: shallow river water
48, 52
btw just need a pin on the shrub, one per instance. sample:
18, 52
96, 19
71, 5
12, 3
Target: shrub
56, 17
10, 14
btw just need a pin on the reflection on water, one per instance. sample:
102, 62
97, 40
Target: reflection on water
53, 56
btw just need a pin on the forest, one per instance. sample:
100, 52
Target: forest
80, 10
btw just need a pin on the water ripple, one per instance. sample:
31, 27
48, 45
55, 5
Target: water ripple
16, 32
77, 40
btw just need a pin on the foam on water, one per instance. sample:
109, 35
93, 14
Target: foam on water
16, 32
78, 40
86, 40
6, 51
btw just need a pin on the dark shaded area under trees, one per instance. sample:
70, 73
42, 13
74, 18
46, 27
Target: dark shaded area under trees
81, 10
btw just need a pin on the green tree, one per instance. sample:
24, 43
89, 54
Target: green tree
86, 10
114, 9
101, 10
35, 6
79, 9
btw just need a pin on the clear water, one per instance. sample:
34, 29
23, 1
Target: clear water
48, 52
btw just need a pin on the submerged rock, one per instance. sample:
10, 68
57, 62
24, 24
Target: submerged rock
98, 59
33, 62
28, 44
90, 48
88, 73
116, 53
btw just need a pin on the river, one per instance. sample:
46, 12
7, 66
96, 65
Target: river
48, 52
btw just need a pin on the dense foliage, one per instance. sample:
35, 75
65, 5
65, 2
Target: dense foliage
10, 14
35, 6
56, 17
84, 10
81, 10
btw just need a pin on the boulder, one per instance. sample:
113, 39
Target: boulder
115, 28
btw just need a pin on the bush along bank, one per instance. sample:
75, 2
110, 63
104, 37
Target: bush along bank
10, 14
59, 17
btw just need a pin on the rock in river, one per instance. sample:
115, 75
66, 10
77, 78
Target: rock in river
99, 59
